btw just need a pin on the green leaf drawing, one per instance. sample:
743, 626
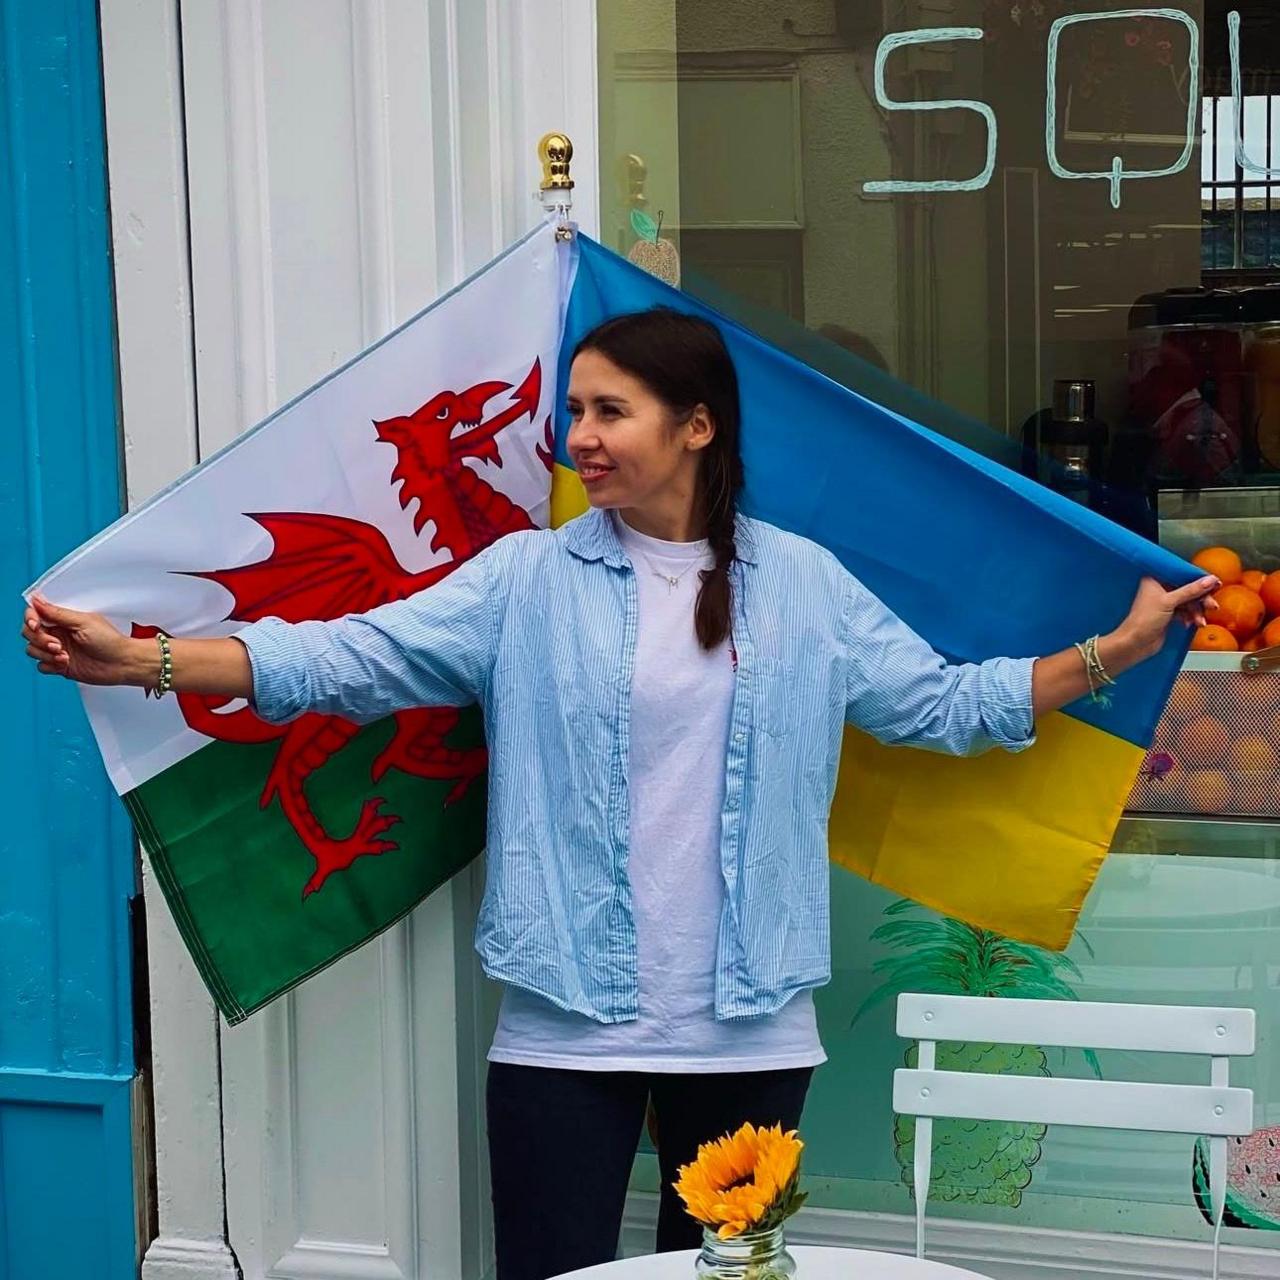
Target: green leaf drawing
644, 226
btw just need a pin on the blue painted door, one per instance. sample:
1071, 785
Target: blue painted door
66, 860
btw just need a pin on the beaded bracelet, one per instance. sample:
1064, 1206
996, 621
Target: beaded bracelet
1094, 671
165, 683
1104, 676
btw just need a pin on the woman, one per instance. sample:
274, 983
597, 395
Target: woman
665, 685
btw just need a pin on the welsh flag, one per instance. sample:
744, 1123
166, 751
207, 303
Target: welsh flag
280, 848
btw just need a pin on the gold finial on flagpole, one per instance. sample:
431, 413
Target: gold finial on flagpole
633, 171
555, 151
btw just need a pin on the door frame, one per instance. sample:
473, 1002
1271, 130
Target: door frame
68, 1087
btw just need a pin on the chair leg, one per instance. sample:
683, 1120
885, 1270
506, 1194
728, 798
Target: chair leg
923, 1169
1217, 1193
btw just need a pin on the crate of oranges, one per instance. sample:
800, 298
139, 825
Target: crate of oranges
1217, 746
1246, 609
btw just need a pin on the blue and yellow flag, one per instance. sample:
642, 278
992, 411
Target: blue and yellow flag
979, 560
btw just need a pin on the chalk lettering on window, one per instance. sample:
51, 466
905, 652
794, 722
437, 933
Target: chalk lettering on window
897, 40
1237, 101
1118, 173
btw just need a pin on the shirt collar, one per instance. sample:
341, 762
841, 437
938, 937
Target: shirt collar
591, 536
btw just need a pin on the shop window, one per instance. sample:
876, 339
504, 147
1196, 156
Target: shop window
1241, 215
1240, 207
761, 267
1134, 333
741, 178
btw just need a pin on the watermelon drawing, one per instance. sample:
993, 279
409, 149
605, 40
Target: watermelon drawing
1253, 1180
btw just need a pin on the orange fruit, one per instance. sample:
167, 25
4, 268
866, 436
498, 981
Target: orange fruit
1222, 562
1253, 579
1257, 695
1254, 796
1238, 609
1187, 699
1270, 634
1206, 791
1253, 754
1201, 740
1214, 639
1254, 643
1270, 592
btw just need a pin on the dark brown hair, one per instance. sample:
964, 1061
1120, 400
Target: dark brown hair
683, 360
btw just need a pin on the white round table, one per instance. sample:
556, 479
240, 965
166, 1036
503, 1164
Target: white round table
813, 1262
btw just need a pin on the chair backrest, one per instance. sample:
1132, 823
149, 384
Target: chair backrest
1215, 1110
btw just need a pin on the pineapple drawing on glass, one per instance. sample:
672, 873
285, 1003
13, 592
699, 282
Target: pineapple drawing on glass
974, 1161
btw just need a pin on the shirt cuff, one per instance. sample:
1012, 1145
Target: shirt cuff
1007, 712
279, 687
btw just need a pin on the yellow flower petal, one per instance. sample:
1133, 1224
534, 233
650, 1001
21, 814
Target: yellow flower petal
740, 1178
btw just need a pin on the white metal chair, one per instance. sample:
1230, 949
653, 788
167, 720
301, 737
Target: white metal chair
1215, 1110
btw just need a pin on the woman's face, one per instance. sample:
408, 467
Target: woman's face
628, 447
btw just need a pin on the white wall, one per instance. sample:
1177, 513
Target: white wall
289, 179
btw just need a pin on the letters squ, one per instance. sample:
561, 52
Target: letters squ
1117, 174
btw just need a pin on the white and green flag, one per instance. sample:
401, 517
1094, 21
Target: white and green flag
280, 848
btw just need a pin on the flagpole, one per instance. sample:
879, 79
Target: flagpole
555, 151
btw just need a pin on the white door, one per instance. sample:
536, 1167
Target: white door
337, 164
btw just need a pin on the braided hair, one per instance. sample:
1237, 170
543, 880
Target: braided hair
683, 360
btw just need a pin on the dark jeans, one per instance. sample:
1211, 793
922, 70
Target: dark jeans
561, 1145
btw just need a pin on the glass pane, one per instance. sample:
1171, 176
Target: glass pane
1216, 241
767, 151
1255, 133
1207, 152
1224, 141
967, 297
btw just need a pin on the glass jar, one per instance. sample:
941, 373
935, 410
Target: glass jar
753, 1255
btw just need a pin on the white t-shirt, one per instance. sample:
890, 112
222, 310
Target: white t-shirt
681, 698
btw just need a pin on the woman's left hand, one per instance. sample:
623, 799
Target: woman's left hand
1154, 609
1062, 677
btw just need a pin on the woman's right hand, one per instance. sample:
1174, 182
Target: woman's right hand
88, 648
81, 646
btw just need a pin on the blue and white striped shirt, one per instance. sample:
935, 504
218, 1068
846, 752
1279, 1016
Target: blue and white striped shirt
540, 631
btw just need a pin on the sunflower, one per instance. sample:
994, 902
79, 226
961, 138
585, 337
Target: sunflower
746, 1181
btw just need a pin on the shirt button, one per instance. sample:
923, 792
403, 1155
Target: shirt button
739, 737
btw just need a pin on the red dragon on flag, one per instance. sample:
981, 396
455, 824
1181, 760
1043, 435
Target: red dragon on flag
325, 566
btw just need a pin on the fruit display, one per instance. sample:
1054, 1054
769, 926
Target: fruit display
1217, 746
1246, 608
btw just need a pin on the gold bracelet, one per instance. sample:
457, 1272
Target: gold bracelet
165, 683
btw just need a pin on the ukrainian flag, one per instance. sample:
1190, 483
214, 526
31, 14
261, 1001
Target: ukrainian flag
981, 561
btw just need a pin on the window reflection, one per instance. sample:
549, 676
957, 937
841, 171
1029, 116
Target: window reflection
758, 132
1113, 350
1241, 230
